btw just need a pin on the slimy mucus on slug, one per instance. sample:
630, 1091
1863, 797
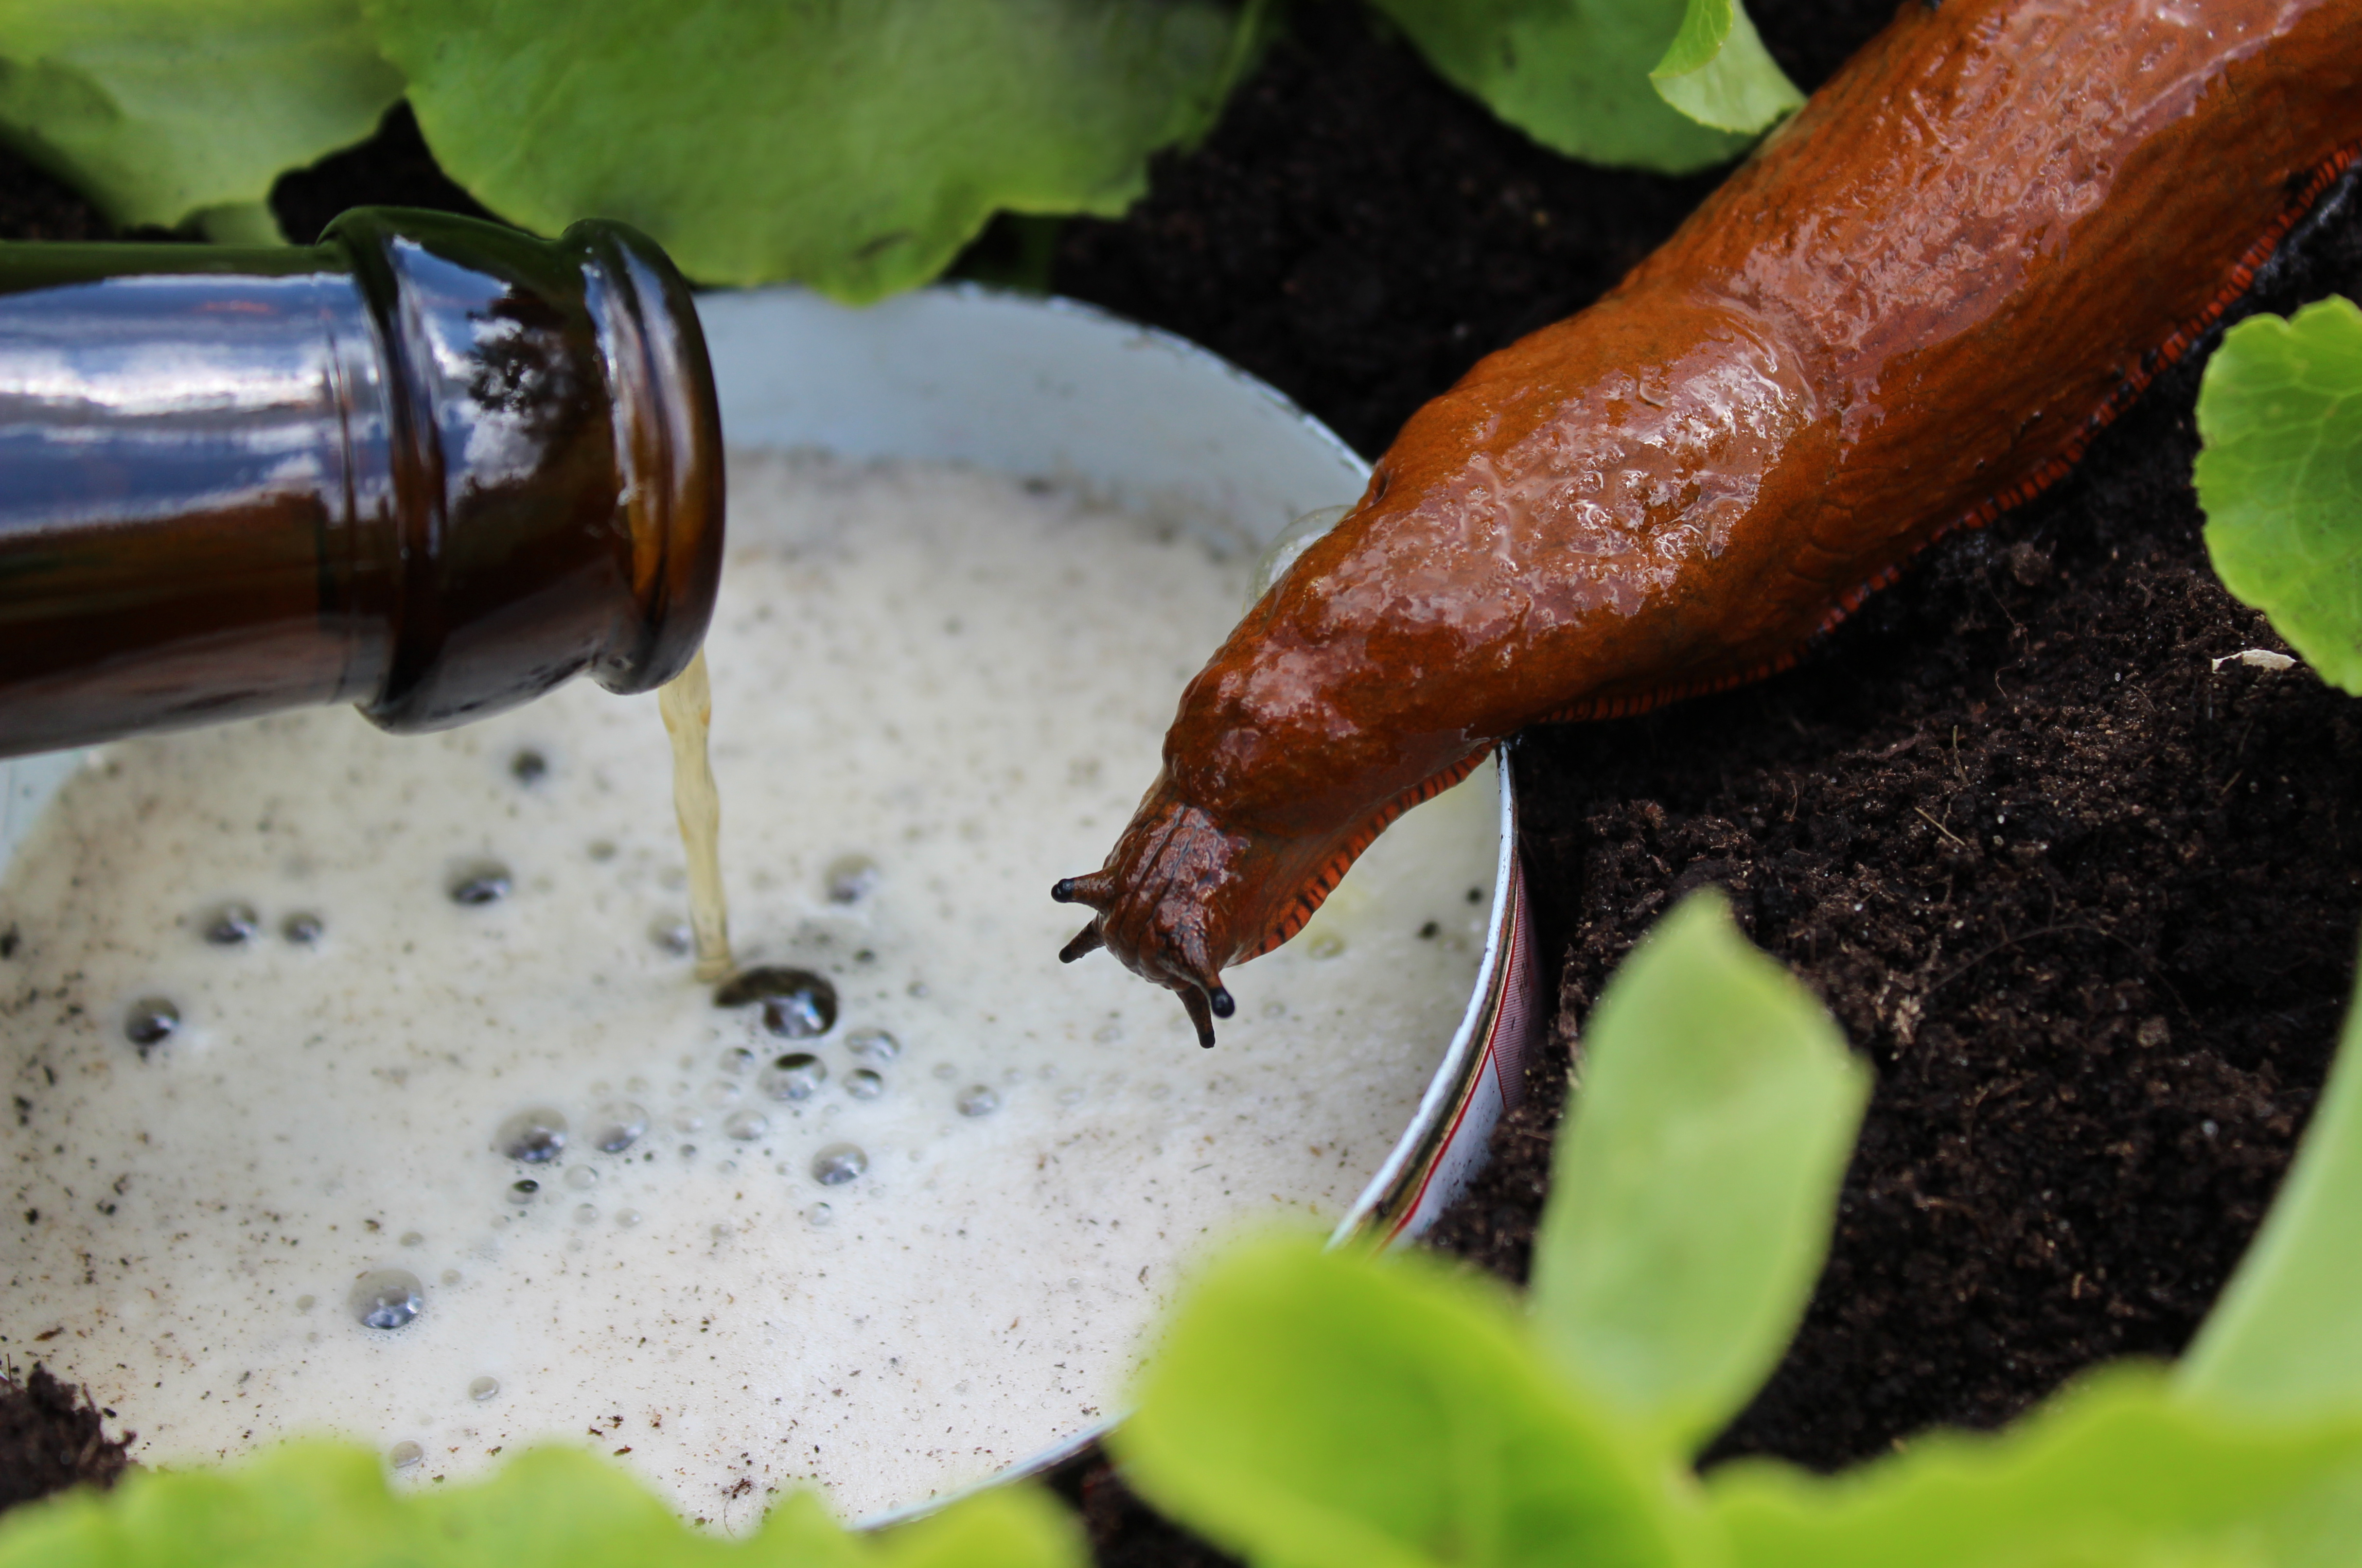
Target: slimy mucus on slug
1911, 310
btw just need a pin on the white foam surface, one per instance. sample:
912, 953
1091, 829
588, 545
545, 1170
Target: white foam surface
961, 678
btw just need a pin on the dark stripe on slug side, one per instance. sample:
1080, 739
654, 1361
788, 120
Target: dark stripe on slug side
1315, 891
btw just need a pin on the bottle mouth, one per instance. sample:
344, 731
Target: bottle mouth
668, 427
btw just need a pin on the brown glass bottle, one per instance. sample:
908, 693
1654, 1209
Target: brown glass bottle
429, 466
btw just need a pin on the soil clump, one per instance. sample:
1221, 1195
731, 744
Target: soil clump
51, 1436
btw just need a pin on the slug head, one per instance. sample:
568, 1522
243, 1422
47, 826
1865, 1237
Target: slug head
1179, 900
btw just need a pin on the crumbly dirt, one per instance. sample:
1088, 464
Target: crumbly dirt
2086, 902
51, 1437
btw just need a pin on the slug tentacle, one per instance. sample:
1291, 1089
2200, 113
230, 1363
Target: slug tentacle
1200, 1016
1086, 941
1913, 309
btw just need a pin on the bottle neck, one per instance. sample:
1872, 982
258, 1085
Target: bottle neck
554, 458
430, 466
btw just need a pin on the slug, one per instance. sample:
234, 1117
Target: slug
1911, 309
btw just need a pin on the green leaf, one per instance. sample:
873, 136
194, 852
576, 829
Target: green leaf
1693, 1190
2115, 1472
322, 1503
1340, 1410
2285, 1337
2279, 412
1008, 1527
1718, 73
158, 109
1573, 74
852, 147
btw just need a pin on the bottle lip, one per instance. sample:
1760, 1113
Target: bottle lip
669, 452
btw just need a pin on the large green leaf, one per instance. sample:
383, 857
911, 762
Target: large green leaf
2116, 1474
1337, 1410
1693, 1190
327, 1505
852, 145
163, 111
2280, 478
2285, 1338
1576, 74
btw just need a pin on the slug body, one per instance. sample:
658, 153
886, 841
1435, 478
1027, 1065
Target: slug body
1910, 310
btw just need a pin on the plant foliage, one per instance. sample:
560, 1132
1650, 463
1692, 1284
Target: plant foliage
1310, 1409
856, 147
2116, 1471
1693, 1183
328, 1503
167, 110
1673, 86
1332, 1411
2280, 412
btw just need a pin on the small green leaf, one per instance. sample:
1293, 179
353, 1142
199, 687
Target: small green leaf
1718, 73
322, 1503
2280, 478
1694, 1188
2114, 1472
852, 147
1338, 1410
2285, 1337
1008, 1527
1573, 74
158, 109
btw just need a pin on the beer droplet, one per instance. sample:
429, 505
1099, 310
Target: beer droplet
976, 1099
794, 1075
483, 1388
533, 1136
850, 878
483, 882
405, 1455
863, 1084
796, 1002
387, 1299
873, 1045
302, 928
617, 1126
232, 925
150, 1022
838, 1164
747, 1125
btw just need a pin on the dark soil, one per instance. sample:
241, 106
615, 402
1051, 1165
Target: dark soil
2086, 901
51, 1437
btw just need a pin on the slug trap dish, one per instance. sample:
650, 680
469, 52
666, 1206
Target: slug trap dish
361, 1083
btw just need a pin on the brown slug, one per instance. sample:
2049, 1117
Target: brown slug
1910, 310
